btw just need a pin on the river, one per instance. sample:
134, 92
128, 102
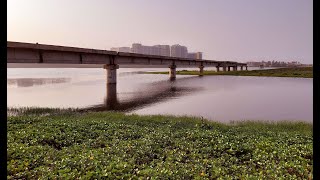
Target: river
218, 98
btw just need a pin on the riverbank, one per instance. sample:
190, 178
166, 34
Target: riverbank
299, 72
52, 143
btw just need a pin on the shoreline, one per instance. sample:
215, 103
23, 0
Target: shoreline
299, 72
47, 111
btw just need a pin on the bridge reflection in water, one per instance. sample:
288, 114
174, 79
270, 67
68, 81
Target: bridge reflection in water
155, 93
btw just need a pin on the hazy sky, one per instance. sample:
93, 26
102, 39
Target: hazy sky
238, 30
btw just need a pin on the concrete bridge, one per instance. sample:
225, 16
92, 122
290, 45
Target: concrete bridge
18, 52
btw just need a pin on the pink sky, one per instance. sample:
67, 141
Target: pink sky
222, 29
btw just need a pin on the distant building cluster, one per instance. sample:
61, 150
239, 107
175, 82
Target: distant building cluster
274, 64
160, 50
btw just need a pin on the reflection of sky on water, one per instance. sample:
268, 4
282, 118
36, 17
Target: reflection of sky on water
27, 82
220, 98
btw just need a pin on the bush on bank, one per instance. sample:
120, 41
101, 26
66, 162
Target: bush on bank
299, 72
64, 144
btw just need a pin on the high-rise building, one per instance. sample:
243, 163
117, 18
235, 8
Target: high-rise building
192, 55
147, 50
121, 49
137, 48
199, 55
179, 51
162, 50
155, 50
195, 55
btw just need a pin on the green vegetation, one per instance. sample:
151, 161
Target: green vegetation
69, 144
302, 72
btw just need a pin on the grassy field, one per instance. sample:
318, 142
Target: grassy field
68, 144
302, 72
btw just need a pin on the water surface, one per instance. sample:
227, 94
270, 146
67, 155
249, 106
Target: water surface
219, 98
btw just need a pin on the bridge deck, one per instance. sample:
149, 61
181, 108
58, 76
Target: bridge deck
18, 52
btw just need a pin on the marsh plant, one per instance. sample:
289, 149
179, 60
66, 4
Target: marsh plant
69, 144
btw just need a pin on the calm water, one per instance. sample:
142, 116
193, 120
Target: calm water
219, 98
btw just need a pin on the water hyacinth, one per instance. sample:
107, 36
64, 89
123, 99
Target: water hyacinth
72, 144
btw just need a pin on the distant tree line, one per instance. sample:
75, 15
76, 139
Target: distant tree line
274, 64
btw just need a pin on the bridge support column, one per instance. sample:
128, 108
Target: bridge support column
201, 70
246, 68
235, 68
111, 100
229, 68
241, 68
172, 72
111, 73
218, 68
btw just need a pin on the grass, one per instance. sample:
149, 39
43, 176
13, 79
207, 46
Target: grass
70, 144
301, 72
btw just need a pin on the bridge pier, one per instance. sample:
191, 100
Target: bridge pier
201, 70
111, 100
229, 67
235, 68
246, 68
111, 73
218, 68
241, 68
172, 72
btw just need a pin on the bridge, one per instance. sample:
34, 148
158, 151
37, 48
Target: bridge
18, 52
